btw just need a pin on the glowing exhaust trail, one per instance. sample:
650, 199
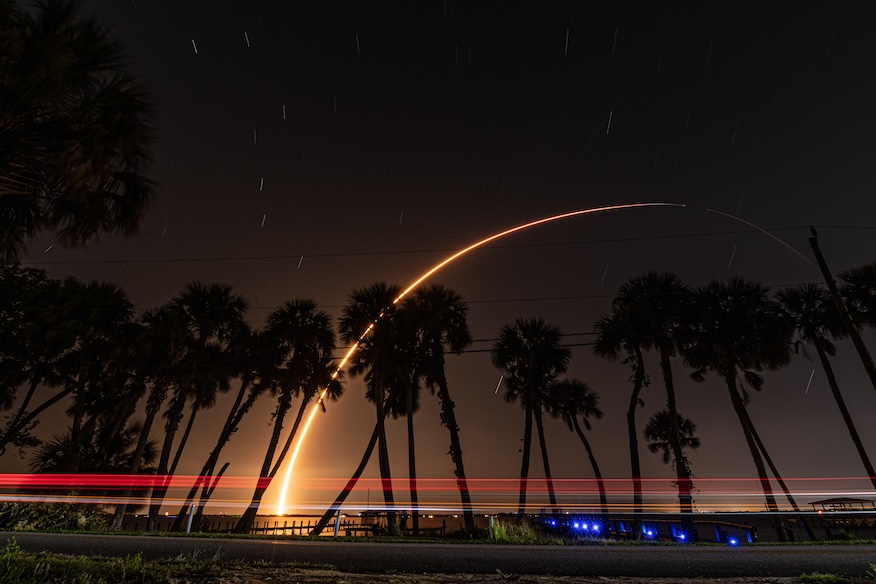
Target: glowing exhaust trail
281, 507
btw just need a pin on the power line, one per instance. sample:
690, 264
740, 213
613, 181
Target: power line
424, 251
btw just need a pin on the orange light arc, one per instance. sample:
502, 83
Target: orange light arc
281, 506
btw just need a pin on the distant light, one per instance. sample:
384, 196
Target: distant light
681, 537
576, 525
585, 526
649, 533
595, 527
733, 541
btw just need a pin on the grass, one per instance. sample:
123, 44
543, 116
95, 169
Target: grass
20, 567
821, 578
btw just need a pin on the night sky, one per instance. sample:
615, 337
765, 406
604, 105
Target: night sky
304, 149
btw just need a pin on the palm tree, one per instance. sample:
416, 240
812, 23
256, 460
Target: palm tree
740, 329
530, 354
440, 316
159, 347
210, 319
662, 302
568, 400
73, 129
659, 432
815, 319
306, 340
619, 334
368, 320
78, 336
97, 455
858, 288
863, 276
26, 359
254, 356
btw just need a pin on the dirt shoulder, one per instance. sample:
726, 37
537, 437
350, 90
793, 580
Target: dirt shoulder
277, 575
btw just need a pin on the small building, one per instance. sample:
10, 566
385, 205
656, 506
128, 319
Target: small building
844, 504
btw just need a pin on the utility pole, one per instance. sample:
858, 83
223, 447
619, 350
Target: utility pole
845, 315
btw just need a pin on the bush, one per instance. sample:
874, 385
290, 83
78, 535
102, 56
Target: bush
517, 533
52, 517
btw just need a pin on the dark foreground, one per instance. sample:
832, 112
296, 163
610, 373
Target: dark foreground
759, 561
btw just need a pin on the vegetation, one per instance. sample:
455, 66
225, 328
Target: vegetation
530, 354
78, 345
74, 130
821, 578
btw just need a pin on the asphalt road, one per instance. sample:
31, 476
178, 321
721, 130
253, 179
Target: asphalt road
583, 560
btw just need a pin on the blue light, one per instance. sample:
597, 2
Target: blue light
649, 533
595, 527
576, 525
585, 527
681, 537
733, 541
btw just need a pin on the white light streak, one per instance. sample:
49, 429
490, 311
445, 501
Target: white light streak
498, 385
400, 217
733, 141
357, 44
811, 375
733, 253
264, 218
194, 46
262, 184
246, 36
608, 127
254, 136
605, 273
567, 42
301, 259
614, 43
164, 231
48, 248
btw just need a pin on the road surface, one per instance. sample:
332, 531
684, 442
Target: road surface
581, 560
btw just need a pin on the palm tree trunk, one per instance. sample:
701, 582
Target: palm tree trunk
600, 484
185, 439
22, 418
524, 463
850, 325
685, 486
383, 459
174, 417
290, 438
539, 425
248, 517
348, 488
633, 437
232, 420
412, 459
769, 461
448, 419
847, 418
739, 408
153, 405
